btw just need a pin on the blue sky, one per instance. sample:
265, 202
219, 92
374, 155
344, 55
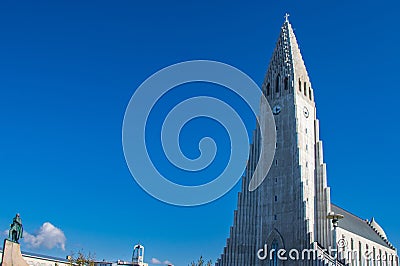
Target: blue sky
68, 70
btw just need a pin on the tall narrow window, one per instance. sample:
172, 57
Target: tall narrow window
299, 85
374, 255
268, 89
277, 84
386, 258
286, 83
367, 256
305, 88
353, 259
309, 93
274, 259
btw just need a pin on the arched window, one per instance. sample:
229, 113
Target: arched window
268, 89
299, 85
305, 88
286, 83
274, 241
274, 259
277, 84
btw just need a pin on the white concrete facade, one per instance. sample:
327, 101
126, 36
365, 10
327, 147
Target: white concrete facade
28, 259
361, 251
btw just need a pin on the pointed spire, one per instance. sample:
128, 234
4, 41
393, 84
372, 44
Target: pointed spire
287, 61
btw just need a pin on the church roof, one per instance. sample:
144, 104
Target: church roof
360, 227
37, 256
377, 228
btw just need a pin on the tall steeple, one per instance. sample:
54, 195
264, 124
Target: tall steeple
288, 210
287, 61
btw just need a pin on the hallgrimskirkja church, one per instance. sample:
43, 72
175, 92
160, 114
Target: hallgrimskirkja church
289, 219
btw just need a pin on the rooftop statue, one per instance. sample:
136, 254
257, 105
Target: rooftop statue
16, 229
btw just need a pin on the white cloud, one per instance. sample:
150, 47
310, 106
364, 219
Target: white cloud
155, 261
47, 236
158, 262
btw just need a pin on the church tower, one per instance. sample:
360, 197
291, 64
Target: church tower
289, 209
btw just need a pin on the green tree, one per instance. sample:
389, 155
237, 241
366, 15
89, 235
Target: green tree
201, 262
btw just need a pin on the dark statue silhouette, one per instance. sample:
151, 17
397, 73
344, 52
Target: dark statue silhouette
16, 229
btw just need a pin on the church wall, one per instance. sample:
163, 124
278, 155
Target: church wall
379, 255
305, 116
290, 208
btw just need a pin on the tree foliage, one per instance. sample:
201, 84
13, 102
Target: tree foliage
81, 259
201, 262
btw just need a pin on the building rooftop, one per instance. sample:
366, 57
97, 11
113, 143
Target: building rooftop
358, 226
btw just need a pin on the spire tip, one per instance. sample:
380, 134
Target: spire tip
287, 17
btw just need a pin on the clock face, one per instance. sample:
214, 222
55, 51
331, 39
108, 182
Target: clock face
306, 113
277, 109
